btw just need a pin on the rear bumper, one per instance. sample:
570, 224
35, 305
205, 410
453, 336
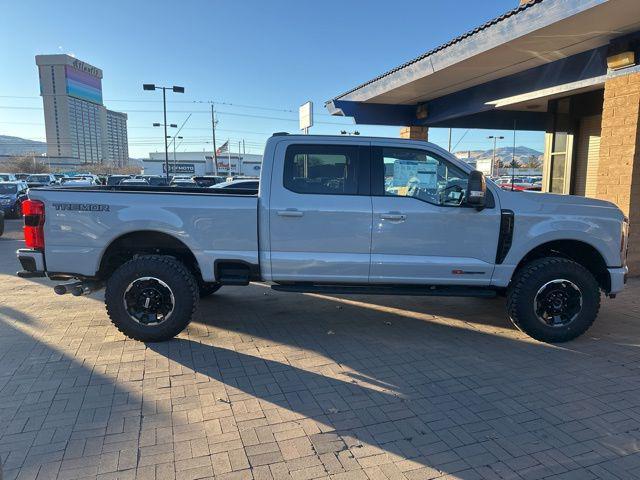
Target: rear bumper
32, 262
618, 278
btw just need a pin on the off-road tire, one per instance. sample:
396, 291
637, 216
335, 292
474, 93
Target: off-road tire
207, 289
527, 282
172, 272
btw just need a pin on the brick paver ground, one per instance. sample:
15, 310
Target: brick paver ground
271, 385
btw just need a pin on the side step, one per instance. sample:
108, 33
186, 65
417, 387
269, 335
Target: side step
414, 290
232, 273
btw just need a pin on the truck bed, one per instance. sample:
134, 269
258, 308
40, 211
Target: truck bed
82, 222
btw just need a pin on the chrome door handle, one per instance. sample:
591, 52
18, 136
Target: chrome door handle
291, 212
396, 217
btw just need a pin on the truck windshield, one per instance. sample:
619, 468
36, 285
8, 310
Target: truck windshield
5, 189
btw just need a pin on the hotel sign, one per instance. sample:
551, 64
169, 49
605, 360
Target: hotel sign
85, 67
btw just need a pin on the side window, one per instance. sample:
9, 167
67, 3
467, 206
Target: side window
420, 174
321, 169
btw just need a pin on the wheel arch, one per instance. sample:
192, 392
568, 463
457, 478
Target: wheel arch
145, 242
579, 251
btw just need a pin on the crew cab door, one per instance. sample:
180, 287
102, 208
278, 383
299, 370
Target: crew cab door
423, 232
320, 212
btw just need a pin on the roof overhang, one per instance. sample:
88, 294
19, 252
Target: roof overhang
547, 44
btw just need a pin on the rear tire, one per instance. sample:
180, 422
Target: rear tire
207, 289
553, 299
151, 298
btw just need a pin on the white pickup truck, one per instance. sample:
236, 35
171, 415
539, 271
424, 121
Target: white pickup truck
342, 215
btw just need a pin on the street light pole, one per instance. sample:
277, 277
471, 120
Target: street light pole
175, 89
166, 146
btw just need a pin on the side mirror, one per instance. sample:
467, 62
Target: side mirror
476, 190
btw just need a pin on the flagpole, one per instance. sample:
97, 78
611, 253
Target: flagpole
213, 131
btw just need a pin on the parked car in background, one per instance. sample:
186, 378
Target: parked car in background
80, 181
183, 182
22, 176
240, 177
208, 180
134, 181
7, 177
12, 194
154, 180
243, 184
116, 179
59, 177
41, 180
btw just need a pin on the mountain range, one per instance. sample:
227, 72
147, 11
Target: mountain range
505, 154
20, 146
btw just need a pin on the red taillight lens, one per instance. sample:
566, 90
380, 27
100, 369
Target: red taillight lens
33, 211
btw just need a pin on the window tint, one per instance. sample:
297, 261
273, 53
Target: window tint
419, 174
321, 169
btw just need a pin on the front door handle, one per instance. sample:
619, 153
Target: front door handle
290, 212
394, 216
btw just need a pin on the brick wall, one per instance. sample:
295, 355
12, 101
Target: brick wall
414, 133
619, 166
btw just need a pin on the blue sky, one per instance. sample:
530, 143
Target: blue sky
257, 60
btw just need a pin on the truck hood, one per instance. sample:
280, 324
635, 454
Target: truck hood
552, 203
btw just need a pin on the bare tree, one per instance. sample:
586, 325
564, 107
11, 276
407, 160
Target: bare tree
27, 164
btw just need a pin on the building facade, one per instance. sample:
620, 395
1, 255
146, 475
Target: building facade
79, 129
542, 66
200, 163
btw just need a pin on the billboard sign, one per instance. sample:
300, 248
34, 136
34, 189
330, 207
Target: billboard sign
306, 116
179, 168
83, 85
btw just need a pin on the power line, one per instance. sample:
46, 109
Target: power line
248, 115
231, 104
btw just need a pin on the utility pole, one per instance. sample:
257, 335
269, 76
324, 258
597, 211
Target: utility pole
450, 130
239, 158
493, 160
213, 132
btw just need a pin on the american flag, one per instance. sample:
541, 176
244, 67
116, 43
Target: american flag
224, 148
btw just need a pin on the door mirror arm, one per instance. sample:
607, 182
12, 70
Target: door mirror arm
476, 190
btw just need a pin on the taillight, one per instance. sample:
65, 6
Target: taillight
33, 211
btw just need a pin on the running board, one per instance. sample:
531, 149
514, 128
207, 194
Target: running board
414, 290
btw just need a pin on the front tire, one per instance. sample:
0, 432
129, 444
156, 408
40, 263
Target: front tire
151, 298
553, 299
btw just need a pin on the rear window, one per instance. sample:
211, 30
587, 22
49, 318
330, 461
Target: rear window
38, 178
321, 169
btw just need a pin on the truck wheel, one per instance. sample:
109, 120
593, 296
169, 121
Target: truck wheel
207, 289
151, 298
553, 299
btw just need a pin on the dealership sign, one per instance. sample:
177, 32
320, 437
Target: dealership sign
179, 168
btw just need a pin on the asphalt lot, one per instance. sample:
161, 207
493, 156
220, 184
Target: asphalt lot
275, 385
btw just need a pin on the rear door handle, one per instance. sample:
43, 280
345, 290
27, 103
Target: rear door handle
393, 216
290, 212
